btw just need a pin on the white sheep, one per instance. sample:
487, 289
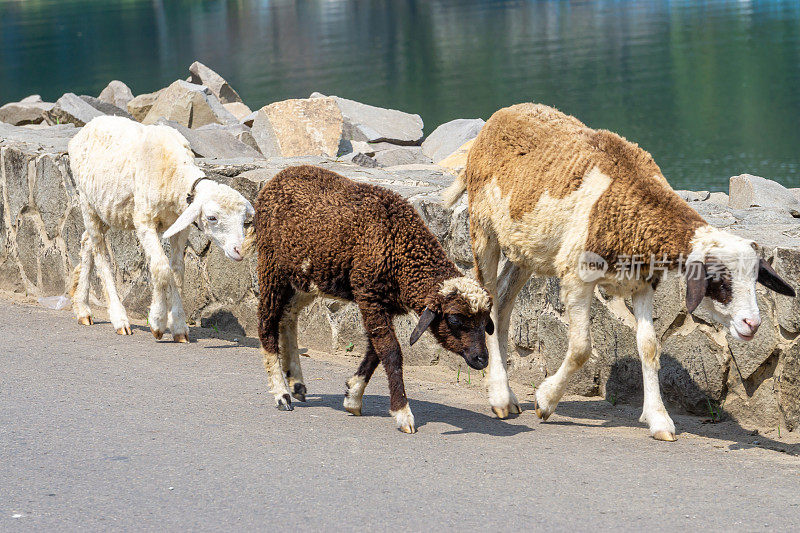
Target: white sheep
144, 178
555, 196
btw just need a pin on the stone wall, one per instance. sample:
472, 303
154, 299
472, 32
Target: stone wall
758, 383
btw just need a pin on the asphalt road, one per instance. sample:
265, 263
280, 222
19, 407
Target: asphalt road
105, 432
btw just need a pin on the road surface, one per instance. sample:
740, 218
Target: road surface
99, 431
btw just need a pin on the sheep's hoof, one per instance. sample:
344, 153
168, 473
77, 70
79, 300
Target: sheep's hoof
408, 428
500, 412
665, 436
285, 403
85, 320
299, 392
181, 337
124, 330
157, 333
541, 414
353, 410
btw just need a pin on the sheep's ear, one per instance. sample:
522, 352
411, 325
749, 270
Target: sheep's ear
771, 280
696, 284
250, 211
187, 217
490, 327
425, 320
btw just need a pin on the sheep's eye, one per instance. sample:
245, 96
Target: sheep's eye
211, 219
455, 321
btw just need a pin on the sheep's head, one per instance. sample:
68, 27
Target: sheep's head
721, 273
457, 313
221, 213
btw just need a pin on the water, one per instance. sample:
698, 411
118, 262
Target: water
710, 88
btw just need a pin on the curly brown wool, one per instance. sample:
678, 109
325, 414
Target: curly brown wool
320, 234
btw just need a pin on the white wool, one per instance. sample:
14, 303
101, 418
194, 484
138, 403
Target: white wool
471, 290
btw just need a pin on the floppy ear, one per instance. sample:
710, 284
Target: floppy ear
696, 284
771, 280
490, 327
187, 217
250, 211
425, 320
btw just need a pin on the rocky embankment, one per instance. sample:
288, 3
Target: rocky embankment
703, 370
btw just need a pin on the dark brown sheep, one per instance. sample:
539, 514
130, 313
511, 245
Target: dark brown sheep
319, 234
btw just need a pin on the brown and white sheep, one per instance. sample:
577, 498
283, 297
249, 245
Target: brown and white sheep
320, 234
548, 192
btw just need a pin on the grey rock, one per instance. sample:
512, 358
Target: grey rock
28, 246
49, 194
140, 106
54, 279
202, 75
787, 265
72, 109
72, 232
450, 136
213, 142
691, 374
15, 166
190, 105
718, 198
789, 388
105, 107
29, 110
375, 124
250, 119
230, 281
402, 155
49, 137
238, 110
117, 94
747, 190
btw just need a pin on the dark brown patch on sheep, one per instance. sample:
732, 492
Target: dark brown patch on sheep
319, 232
531, 149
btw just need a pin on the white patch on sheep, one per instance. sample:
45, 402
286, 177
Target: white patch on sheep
404, 419
470, 289
354, 395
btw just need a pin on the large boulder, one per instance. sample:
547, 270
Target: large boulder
29, 110
299, 127
450, 136
190, 105
117, 94
747, 190
213, 141
375, 124
202, 75
72, 109
140, 106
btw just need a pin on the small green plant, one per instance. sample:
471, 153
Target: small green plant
533, 384
349, 347
713, 411
215, 328
611, 398
458, 374
779, 430
469, 377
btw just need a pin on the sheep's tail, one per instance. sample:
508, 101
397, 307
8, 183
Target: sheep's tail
455, 191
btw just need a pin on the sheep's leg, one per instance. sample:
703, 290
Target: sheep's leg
354, 391
380, 331
287, 347
176, 316
577, 298
163, 280
486, 251
510, 282
654, 413
273, 298
96, 230
81, 276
